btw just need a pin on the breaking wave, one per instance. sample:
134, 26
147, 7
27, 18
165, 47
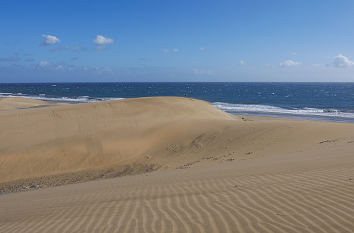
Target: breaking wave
313, 113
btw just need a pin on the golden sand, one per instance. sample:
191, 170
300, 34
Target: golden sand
214, 172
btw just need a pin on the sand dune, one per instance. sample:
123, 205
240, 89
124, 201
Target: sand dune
144, 133
71, 138
209, 171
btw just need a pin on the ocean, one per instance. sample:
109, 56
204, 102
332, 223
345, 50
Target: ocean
316, 101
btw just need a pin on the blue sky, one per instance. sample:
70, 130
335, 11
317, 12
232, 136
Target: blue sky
84, 41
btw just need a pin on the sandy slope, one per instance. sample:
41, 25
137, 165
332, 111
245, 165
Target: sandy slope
216, 172
310, 191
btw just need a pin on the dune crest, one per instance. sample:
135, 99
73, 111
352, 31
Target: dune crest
71, 138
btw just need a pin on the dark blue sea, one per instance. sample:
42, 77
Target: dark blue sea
318, 101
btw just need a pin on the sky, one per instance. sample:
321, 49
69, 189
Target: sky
172, 41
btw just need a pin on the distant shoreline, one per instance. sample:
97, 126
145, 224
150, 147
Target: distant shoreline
313, 101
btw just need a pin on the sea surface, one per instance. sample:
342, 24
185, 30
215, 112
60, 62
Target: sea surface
317, 101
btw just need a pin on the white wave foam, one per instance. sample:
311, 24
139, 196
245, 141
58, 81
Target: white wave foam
273, 110
80, 99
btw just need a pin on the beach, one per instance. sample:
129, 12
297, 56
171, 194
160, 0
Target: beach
170, 164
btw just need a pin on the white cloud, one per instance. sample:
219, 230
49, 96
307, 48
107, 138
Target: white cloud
242, 62
50, 39
341, 61
43, 63
166, 50
175, 50
202, 49
101, 40
289, 63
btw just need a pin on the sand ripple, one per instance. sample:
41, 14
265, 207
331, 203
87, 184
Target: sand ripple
320, 200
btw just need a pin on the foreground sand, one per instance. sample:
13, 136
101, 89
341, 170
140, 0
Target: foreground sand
298, 192
215, 172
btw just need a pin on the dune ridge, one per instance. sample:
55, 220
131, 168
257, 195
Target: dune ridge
58, 143
72, 138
